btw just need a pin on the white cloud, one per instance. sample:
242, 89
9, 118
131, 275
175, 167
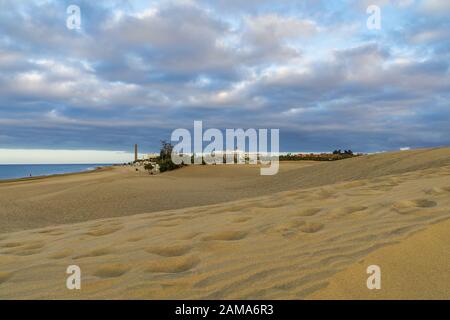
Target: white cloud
304, 64
437, 7
275, 27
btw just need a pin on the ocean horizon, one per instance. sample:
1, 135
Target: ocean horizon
17, 171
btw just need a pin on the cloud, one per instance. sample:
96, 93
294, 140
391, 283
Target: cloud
136, 71
436, 7
272, 38
44, 156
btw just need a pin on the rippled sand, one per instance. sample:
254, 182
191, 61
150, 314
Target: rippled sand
292, 244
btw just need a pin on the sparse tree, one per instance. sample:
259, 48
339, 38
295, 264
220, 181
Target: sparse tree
166, 150
165, 157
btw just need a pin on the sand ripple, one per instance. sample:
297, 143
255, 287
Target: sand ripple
284, 245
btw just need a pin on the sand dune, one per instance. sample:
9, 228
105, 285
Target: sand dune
418, 268
122, 191
295, 243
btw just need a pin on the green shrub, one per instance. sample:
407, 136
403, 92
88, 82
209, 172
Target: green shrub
167, 165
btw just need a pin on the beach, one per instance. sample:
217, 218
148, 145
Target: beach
12, 172
225, 232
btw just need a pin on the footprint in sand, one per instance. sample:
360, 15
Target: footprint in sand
226, 235
271, 204
175, 218
113, 270
289, 194
24, 252
23, 248
52, 232
299, 195
383, 186
288, 228
169, 251
95, 253
57, 233
172, 223
32, 246
437, 191
434, 191
340, 212
238, 207
363, 192
172, 265
102, 231
5, 276
44, 231
407, 206
13, 244
241, 219
311, 227
190, 235
61, 254
213, 211
324, 194
308, 212
135, 239
352, 184
29, 249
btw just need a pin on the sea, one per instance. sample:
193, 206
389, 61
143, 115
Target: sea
15, 171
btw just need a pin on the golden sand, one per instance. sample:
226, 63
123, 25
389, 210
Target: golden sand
417, 268
310, 239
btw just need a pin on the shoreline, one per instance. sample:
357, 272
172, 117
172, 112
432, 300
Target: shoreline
57, 175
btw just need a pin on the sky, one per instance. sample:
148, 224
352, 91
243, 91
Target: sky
137, 70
